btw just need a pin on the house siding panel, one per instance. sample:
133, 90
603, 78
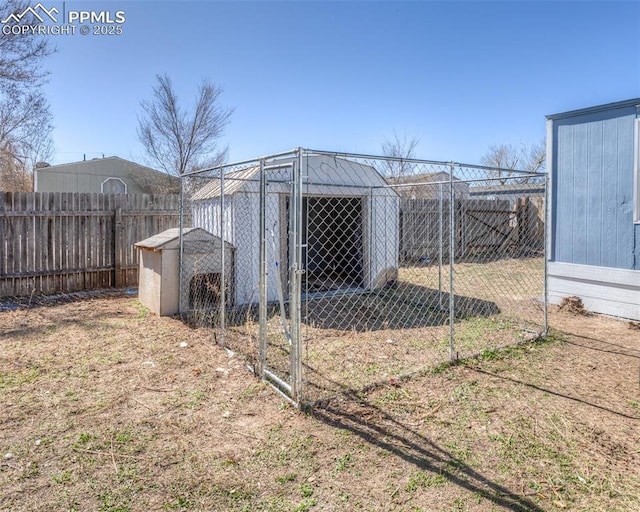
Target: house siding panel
563, 208
206, 215
593, 183
580, 195
625, 228
609, 192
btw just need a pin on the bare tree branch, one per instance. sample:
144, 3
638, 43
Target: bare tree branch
530, 158
21, 54
399, 148
179, 140
25, 119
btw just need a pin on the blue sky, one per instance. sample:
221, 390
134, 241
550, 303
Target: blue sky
344, 75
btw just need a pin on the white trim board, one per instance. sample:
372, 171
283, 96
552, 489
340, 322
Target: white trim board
605, 290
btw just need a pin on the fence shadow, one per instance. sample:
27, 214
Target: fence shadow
401, 305
549, 391
600, 345
378, 428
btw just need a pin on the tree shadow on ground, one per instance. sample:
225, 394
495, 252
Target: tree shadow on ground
16, 303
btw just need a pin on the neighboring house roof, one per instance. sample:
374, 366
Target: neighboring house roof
91, 176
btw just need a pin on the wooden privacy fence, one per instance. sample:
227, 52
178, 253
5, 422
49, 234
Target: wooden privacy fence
53, 242
482, 227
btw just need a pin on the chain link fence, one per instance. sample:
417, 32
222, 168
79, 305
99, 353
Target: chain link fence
336, 272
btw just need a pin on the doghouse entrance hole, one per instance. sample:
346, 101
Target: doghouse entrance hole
333, 247
204, 291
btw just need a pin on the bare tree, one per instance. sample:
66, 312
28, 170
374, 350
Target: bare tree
25, 119
21, 53
399, 148
179, 140
530, 158
16, 166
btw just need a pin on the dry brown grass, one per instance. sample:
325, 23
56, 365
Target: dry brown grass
102, 410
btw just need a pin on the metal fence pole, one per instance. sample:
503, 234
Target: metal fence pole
370, 276
452, 249
440, 242
223, 295
262, 312
298, 282
293, 212
295, 288
547, 224
181, 250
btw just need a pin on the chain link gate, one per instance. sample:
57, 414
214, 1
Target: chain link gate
246, 290
279, 338
337, 272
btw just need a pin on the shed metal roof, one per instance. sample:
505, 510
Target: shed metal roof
233, 182
324, 174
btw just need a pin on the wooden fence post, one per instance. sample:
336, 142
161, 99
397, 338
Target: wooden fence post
461, 242
117, 248
524, 222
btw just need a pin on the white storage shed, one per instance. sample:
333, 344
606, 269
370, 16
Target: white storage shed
350, 225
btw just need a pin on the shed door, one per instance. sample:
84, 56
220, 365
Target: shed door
332, 243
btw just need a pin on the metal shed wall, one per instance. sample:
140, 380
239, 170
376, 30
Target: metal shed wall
241, 220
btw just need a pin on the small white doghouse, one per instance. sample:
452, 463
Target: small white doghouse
159, 273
